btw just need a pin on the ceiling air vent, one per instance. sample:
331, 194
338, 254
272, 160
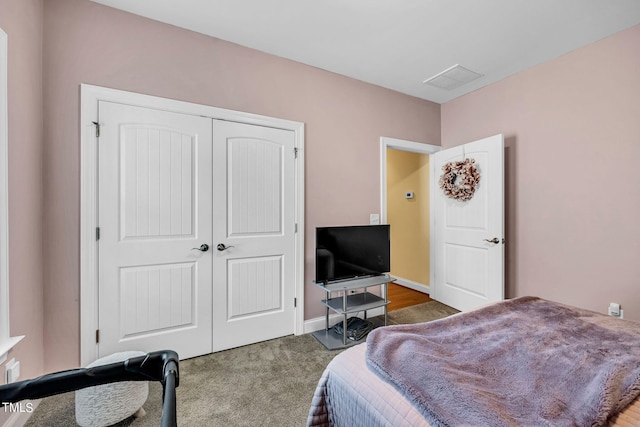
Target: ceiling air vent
452, 78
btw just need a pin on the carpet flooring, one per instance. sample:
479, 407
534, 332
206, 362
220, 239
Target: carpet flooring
264, 384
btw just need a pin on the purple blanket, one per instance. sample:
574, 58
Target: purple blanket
521, 362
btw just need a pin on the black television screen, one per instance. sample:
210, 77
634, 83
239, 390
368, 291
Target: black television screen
352, 251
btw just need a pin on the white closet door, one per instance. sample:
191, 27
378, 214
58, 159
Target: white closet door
254, 234
154, 207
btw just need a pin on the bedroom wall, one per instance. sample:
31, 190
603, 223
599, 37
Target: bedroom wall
572, 133
409, 218
22, 21
90, 43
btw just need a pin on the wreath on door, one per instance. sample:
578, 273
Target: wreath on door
459, 180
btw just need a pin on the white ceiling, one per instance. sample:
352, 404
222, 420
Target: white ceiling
398, 44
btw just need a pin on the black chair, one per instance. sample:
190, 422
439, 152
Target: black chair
155, 366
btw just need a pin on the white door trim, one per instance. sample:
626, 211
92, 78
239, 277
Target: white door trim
90, 95
7, 342
414, 147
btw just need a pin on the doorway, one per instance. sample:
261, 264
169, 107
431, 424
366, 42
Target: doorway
405, 204
474, 234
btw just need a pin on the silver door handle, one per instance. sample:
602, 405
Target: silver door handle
221, 247
203, 248
494, 240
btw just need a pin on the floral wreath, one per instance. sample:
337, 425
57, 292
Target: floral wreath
459, 180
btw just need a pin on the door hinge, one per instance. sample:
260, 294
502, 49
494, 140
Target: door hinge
97, 336
295, 152
97, 233
295, 302
295, 227
97, 129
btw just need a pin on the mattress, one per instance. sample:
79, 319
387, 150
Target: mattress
350, 395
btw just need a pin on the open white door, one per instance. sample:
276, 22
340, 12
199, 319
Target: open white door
469, 235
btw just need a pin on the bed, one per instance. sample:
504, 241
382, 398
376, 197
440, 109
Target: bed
358, 388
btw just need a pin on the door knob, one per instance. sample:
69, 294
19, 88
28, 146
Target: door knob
203, 248
494, 240
221, 247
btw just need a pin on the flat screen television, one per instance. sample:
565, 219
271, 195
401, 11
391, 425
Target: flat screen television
352, 251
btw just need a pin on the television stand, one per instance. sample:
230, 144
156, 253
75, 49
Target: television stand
347, 304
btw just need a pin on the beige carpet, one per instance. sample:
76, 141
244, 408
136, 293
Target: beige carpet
265, 384
425, 312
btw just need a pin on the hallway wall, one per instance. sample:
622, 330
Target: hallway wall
409, 218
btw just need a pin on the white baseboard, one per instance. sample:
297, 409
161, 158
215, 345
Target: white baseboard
420, 287
318, 323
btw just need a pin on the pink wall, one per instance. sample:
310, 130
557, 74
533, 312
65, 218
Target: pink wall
22, 21
344, 118
572, 129
571, 120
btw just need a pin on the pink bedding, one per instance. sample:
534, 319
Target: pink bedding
523, 361
349, 394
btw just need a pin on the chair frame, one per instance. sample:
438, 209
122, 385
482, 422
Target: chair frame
155, 366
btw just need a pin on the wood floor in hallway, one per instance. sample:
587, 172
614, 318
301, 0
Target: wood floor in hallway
401, 296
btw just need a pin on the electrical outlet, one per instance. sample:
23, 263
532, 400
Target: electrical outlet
615, 310
12, 369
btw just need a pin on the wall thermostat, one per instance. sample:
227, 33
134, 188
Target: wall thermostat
408, 195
